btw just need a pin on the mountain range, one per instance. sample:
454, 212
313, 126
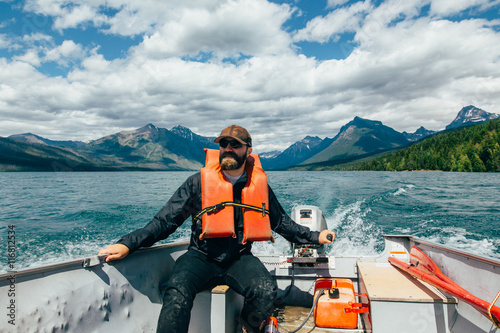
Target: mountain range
153, 148
361, 138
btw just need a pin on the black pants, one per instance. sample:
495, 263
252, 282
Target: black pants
193, 273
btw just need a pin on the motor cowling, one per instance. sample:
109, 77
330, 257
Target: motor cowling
313, 218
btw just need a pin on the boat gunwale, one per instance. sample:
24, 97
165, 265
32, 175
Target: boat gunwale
79, 263
489, 261
76, 263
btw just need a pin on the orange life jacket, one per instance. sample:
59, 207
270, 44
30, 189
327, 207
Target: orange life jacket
217, 201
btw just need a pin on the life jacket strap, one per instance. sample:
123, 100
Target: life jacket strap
219, 206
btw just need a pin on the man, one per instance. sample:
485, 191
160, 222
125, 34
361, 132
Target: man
231, 206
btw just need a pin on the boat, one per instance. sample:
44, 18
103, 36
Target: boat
384, 291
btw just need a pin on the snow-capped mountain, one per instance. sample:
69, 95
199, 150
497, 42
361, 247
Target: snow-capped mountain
471, 115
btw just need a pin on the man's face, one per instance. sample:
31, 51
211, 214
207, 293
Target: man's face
232, 158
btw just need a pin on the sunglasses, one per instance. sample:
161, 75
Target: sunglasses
233, 143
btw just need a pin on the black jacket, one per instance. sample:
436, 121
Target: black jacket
186, 201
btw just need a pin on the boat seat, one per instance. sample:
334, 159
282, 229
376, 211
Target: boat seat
216, 310
387, 283
397, 301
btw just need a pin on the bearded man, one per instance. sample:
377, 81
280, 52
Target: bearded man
231, 206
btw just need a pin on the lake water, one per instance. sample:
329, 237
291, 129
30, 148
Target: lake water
69, 215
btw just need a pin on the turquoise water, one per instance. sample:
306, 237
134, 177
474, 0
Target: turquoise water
64, 216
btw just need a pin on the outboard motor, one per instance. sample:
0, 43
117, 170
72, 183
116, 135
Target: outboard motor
308, 256
313, 218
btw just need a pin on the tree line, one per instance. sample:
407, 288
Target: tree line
470, 149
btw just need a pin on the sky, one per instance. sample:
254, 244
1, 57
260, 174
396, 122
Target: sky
80, 70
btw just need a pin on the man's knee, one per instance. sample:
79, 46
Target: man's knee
178, 295
261, 294
179, 287
265, 287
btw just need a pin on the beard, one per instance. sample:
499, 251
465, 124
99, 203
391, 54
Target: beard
231, 161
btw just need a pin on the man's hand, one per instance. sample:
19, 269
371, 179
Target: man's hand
326, 237
115, 251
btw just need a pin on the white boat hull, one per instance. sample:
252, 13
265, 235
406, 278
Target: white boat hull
125, 296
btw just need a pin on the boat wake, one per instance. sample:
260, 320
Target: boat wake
354, 234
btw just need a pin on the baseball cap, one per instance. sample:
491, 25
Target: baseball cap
236, 132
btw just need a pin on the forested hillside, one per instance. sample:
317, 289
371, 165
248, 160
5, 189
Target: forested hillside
475, 148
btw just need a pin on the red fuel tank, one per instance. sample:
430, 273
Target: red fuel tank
336, 307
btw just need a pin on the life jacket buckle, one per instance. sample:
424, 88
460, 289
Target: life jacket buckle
217, 207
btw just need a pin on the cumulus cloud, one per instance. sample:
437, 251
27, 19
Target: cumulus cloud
67, 14
36, 37
65, 53
41, 48
452, 7
231, 28
322, 29
5, 42
78, 15
31, 57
